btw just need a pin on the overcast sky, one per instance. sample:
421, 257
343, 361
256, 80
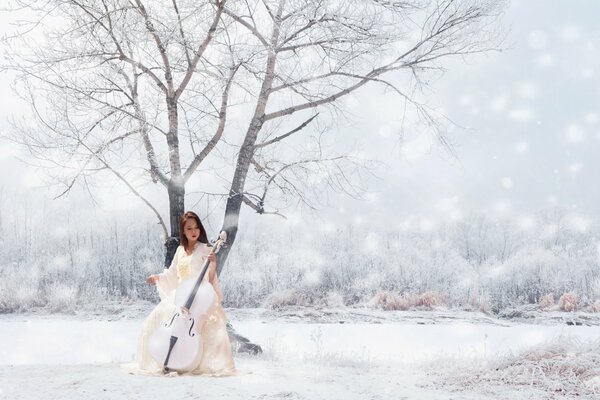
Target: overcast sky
530, 133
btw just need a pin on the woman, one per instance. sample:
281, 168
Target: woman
189, 258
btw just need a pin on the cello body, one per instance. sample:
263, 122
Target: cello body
177, 344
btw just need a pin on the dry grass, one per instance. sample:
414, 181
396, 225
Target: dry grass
479, 303
595, 306
546, 302
568, 302
389, 301
282, 299
563, 367
429, 300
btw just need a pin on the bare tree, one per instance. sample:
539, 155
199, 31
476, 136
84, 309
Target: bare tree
108, 85
110, 77
307, 54
113, 77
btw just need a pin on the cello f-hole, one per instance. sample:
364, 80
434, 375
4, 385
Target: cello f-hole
190, 333
168, 324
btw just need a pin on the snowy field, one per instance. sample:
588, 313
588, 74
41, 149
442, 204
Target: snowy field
418, 357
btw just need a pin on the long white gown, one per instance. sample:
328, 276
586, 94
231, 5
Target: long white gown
217, 358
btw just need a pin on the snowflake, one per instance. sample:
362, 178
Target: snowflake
507, 183
501, 207
537, 39
521, 114
427, 224
371, 197
527, 90
372, 242
447, 204
499, 102
587, 72
578, 223
526, 222
522, 147
574, 134
591, 118
455, 215
545, 60
574, 168
570, 33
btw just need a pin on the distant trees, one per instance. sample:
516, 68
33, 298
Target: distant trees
344, 267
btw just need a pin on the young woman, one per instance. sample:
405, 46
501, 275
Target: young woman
189, 258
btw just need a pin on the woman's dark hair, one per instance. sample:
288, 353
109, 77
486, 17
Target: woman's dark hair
182, 238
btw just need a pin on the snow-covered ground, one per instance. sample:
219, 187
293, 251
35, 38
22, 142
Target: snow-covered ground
355, 354
59, 341
268, 380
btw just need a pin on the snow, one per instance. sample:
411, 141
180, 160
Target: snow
371, 355
260, 379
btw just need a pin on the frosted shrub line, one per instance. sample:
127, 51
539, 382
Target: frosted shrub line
474, 264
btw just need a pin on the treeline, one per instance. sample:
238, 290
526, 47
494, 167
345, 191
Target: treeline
490, 264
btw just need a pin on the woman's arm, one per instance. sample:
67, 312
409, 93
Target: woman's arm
167, 281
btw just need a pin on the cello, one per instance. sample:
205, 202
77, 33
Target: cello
177, 344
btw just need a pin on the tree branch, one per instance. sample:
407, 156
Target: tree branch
278, 138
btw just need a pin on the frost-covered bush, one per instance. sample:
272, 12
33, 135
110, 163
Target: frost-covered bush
62, 297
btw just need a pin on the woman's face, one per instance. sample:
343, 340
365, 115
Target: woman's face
191, 230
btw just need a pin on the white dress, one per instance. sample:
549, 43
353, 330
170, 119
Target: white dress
217, 358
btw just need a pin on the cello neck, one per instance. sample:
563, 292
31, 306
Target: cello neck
192, 296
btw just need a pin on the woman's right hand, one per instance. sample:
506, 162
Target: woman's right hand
152, 279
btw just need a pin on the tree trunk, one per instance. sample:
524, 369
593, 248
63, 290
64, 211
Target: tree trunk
236, 192
230, 225
176, 210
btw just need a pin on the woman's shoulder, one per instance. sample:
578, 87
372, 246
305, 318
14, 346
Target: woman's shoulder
204, 247
200, 247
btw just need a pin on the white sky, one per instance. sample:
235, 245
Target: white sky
532, 137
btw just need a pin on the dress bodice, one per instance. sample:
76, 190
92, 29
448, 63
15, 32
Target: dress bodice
186, 268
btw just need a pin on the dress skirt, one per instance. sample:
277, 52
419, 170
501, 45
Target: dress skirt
217, 357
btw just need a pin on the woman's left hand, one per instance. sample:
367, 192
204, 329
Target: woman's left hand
212, 257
